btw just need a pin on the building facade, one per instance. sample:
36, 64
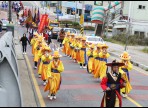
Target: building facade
138, 16
76, 7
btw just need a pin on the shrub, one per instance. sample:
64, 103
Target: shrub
145, 50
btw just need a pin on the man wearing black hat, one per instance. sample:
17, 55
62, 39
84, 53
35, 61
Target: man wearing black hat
111, 85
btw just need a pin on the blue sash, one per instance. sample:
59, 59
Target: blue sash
117, 86
46, 62
126, 70
54, 70
97, 58
103, 59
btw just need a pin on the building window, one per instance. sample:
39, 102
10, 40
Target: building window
77, 11
68, 10
80, 12
136, 33
141, 34
98, 3
52, 4
80, 1
141, 7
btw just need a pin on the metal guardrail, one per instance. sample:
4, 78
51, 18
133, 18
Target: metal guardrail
10, 93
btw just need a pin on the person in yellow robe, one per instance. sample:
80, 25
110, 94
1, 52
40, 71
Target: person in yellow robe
33, 40
46, 58
72, 43
104, 55
41, 62
71, 47
54, 76
90, 58
66, 44
125, 58
37, 48
83, 58
96, 60
75, 45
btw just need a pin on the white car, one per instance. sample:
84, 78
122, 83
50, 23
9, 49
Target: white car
119, 22
72, 30
94, 40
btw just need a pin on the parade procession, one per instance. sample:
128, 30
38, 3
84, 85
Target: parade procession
89, 56
72, 54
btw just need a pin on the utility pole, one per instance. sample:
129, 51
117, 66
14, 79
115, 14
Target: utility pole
10, 17
109, 2
76, 11
57, 8
129, 25
83, 11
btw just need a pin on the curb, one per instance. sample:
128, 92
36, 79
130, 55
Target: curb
142, 66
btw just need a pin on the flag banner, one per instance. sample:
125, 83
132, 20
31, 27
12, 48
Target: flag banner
42, 22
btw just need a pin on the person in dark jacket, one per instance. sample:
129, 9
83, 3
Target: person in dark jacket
1, 24
24, 40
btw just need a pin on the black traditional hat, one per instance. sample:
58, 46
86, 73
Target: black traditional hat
115, 63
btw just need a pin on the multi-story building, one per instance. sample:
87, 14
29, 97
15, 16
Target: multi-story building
137, 11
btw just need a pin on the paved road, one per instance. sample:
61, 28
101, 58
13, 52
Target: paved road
80, 88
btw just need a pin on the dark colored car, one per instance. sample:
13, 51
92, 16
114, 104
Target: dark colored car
55, 32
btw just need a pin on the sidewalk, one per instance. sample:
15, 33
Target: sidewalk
138, 58
28, 95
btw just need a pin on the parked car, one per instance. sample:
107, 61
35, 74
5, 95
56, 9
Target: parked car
55, 33
5, 22
72, 30
94, 40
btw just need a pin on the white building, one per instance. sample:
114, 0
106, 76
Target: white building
138, 15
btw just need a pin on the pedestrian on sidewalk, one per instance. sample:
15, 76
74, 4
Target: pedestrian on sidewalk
111, 85
54, 76
1, 24
125, 58
24, 41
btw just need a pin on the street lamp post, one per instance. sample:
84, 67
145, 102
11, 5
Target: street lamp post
57, 8
76, 11
129, 25
10, 17
109, 2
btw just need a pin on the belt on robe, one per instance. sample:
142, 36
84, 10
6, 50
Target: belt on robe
113, 86
54, 70
97, 58
84, 49
46, 62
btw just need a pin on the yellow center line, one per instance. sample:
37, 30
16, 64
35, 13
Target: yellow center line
133, 101
41, 100
130, 99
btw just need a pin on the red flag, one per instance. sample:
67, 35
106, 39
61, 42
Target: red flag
42, 23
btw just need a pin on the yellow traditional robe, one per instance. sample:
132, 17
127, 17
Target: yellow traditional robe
54, 77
